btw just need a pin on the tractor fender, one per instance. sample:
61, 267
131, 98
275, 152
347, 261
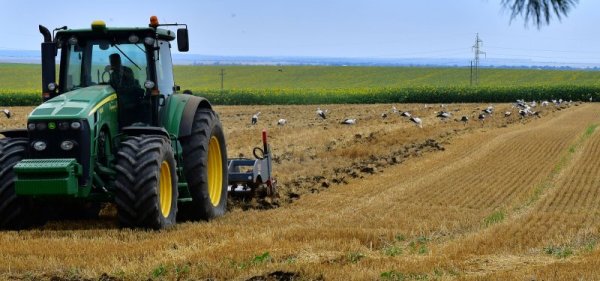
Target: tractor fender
17, 133
187, 118
144, 130
179, 111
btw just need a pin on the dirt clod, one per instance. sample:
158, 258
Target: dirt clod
276, 276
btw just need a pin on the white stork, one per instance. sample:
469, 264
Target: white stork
482, 117
489, 110
322, 113
444, 115
349, 121
7, 113
417, 121
255, 118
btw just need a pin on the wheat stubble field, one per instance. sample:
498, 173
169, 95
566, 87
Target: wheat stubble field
503, 199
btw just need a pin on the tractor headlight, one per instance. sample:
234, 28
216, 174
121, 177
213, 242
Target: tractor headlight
63, 126
31, 126
149, 41
67, 145
41, 126
133, 38
51, 86
149, 84
75, 125
73, 40
39, 145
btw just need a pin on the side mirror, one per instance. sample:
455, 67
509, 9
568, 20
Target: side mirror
183, 43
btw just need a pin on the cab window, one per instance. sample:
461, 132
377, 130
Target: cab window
164, 68
74, 63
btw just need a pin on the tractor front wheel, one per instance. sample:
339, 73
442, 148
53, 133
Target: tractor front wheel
205, 167
146, 183
15, 212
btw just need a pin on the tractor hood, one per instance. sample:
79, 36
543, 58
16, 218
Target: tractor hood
76, 104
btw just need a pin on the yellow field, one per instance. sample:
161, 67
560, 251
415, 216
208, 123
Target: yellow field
506, 199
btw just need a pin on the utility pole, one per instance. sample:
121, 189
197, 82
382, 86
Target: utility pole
222, 77
477, 50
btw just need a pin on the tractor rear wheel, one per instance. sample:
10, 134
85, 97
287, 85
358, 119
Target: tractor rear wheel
205, 167
15, 212
146, 183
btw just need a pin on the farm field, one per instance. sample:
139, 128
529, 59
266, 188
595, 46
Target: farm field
508, 198
27, 77
290, 85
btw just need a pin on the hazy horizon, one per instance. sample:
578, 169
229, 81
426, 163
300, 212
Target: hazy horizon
384, 29
33, 57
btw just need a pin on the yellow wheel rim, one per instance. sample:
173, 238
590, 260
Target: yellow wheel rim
215, 171
165, 195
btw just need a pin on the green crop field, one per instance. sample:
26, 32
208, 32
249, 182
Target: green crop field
20, 83
335, 77
20, 77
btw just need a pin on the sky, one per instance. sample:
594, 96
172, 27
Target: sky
326, 28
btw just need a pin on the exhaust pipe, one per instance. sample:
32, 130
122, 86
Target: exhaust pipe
48, 65
46, 33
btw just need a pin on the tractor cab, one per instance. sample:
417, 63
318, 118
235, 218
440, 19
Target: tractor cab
135, 62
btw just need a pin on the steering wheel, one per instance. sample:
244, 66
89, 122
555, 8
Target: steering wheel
106, 71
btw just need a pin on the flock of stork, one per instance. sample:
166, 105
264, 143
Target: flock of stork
524, 108
320, 113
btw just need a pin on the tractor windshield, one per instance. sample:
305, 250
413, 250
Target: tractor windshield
101, 62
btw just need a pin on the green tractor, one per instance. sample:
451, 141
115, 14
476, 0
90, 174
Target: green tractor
114, 128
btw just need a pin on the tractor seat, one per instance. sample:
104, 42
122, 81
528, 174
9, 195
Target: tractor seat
133, 107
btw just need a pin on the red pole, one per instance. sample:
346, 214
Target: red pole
264, 139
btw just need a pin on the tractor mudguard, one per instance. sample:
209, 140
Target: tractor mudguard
144, 130
187, 118
17, 133
178, 114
